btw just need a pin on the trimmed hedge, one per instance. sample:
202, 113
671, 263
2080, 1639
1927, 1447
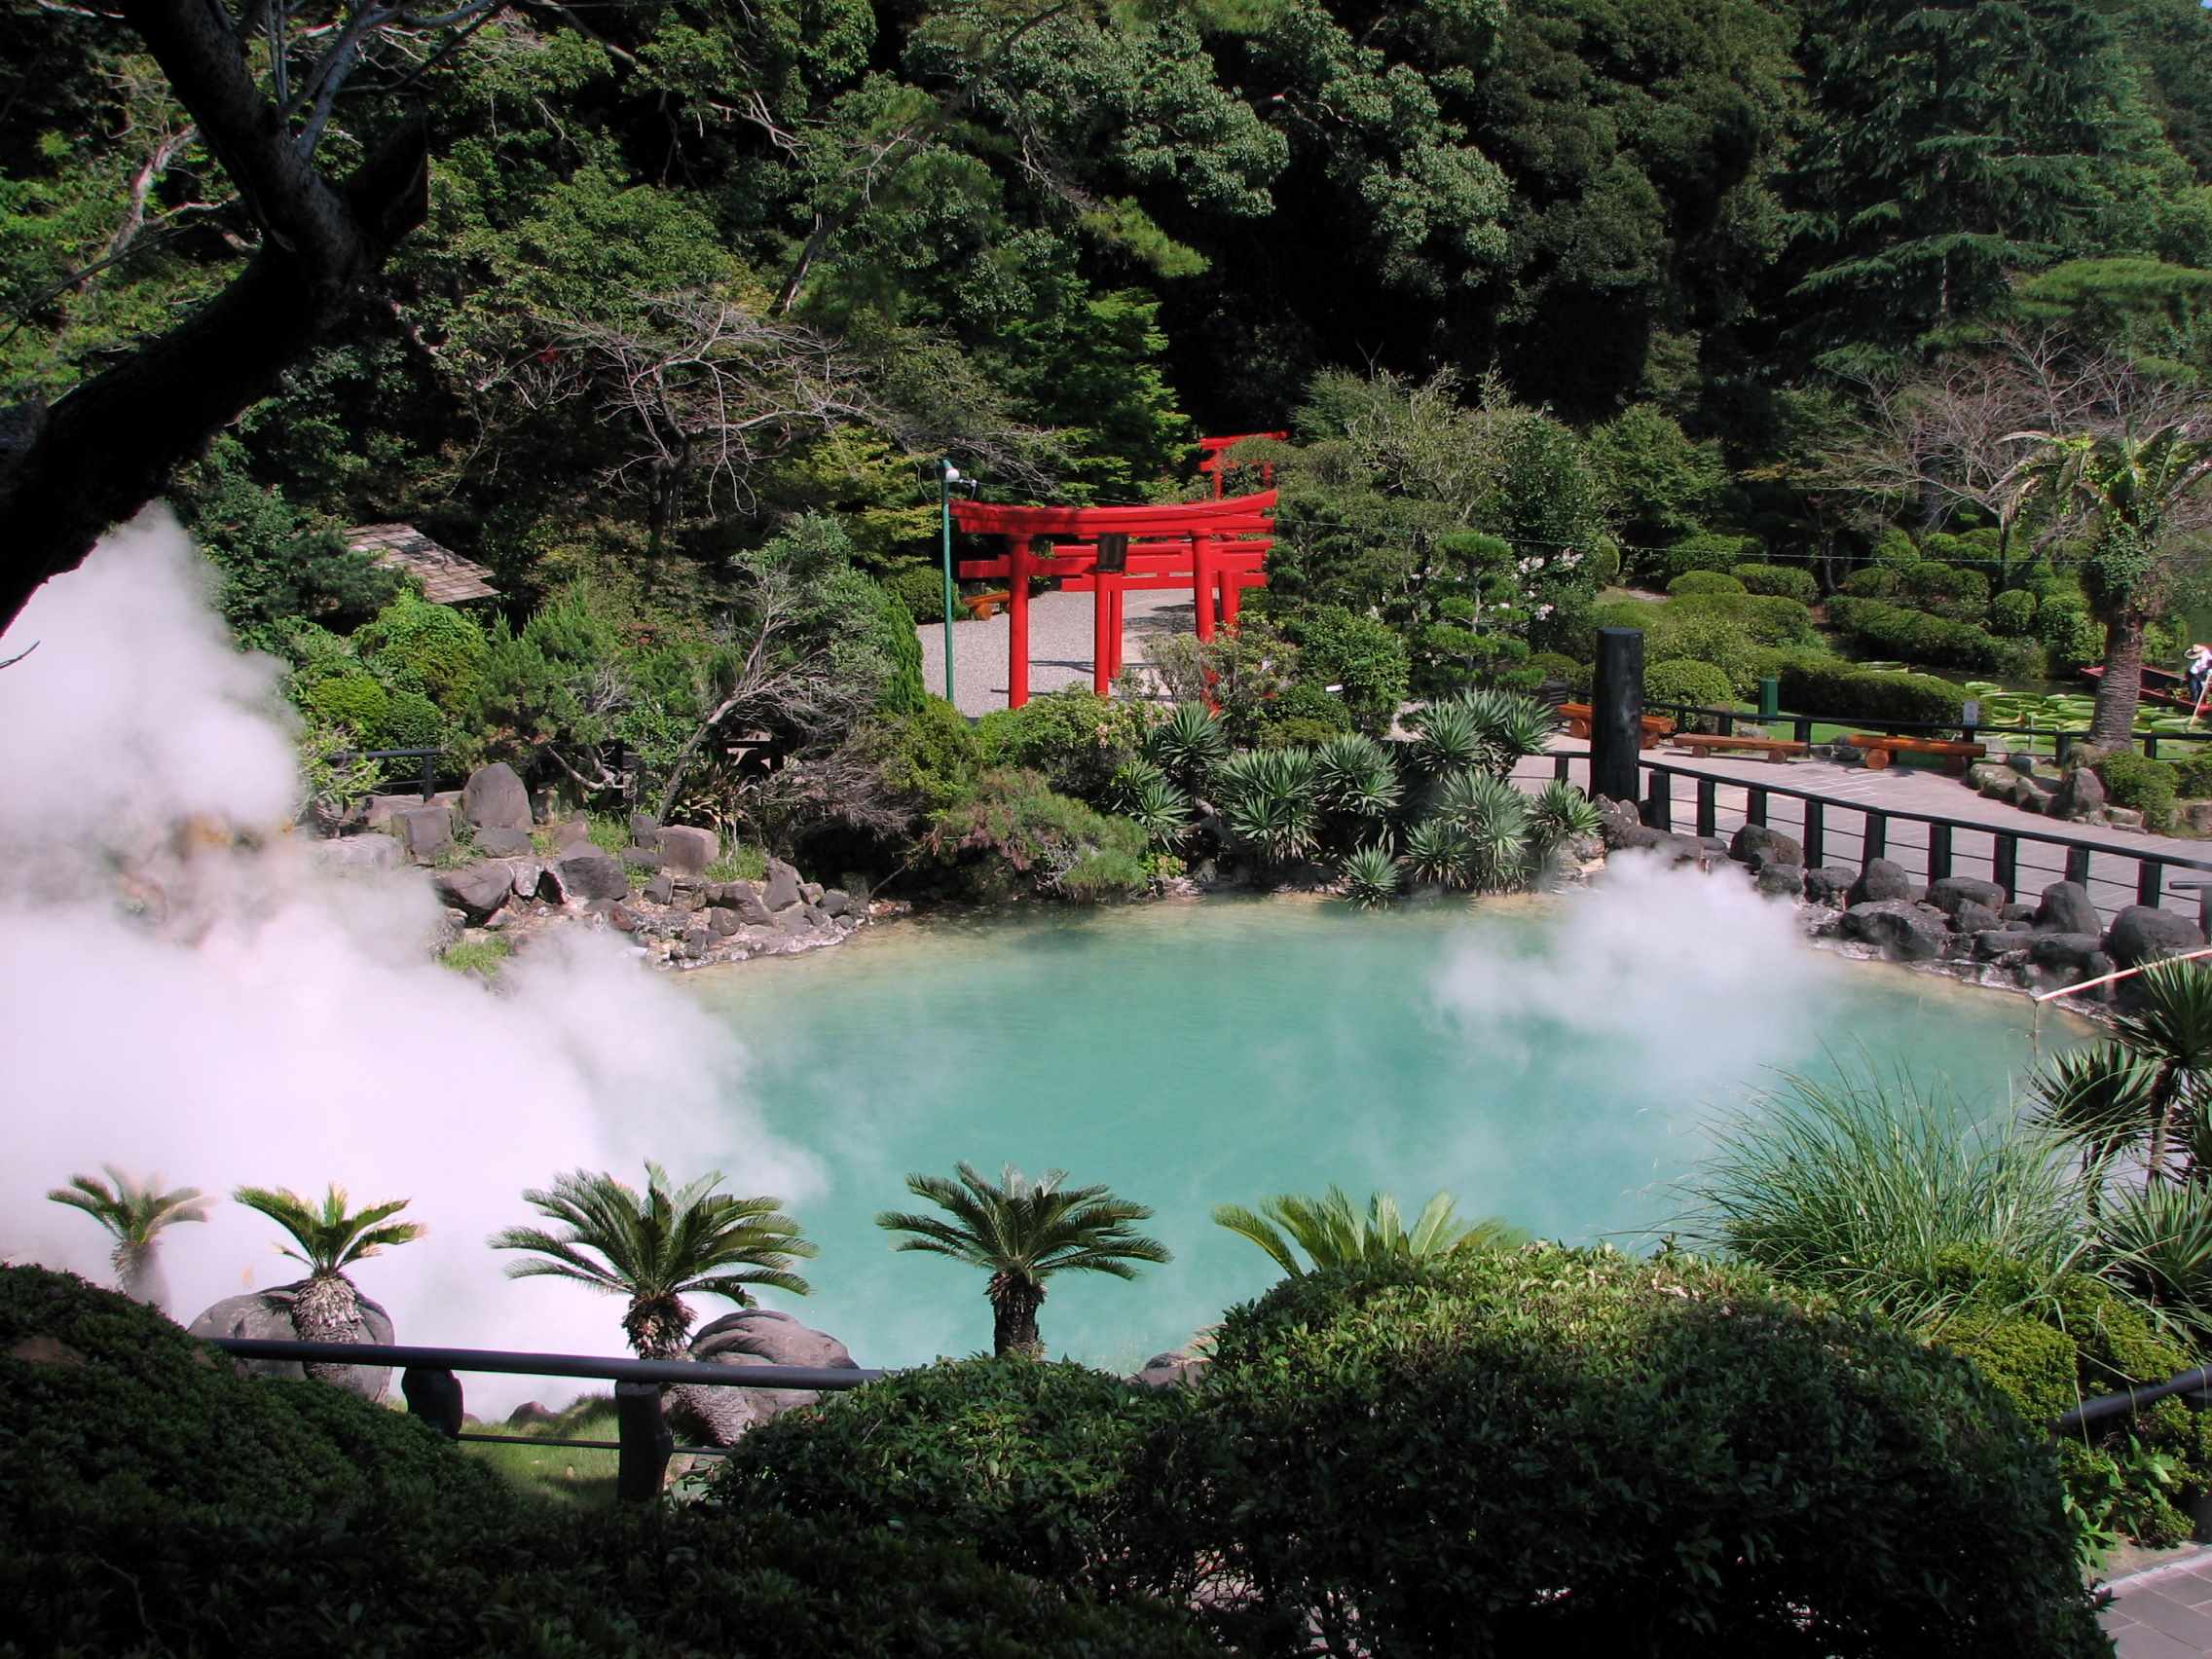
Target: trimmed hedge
1785, 581
2145, 785
1945, 590
2013, 612
1579, 1451
1706, 581
1849, 692
1891, 630
155, 1502
1688, 680
1708, 551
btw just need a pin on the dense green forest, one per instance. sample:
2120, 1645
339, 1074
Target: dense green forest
1547, 292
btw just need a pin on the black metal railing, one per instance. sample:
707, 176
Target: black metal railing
2135, 1398
646, 1444
1801, 727
429, 758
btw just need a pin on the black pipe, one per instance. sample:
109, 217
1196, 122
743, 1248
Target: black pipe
1616, 714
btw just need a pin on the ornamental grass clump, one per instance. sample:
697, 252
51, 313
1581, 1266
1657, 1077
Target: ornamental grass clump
1372, 876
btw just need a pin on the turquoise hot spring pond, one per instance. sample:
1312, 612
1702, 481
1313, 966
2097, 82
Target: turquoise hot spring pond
1557, 1063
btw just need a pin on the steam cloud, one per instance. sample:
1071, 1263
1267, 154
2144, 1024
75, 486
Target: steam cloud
170, 1003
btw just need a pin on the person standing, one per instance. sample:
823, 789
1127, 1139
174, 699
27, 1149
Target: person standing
2198, 667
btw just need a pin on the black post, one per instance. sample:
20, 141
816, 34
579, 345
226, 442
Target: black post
429, 774
1938, 851
2077, 865
2005, 866
1816, 835
1708, 819
1659, 801
1616, 713
641, 1465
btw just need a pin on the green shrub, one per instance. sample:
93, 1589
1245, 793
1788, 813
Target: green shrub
1708, 552
1575, 1451
1873, 581
155, 1502
1894, 631
921, 589
1075, 737
928, 753
2193, 776
1025, 1461
1784, 581
1894, 547
1012, 834
1604, 561
1847, 692
411, 720
1364, 658
1769, 618
1553, 666
1707, 581
1945, 590
1688, 680
415, 646
2012, 613
2070, 636
355, 701
1307, 706
2137, 781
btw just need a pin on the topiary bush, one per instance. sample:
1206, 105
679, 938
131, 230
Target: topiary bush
2192, 775
411, 720
1575, 1451
415, 646
1362, 657
2137, 781
921, 589
355, 701
1026, 1461
1845, 691
1892, 631
1944, 590
1783, 581
1706, 581
1685, 680
2012, 613
155, 1502
1707, 551
2070, 637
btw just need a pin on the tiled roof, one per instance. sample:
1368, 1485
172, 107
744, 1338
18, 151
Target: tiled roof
447, 577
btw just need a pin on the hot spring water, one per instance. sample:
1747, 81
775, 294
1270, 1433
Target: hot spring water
1555, 1065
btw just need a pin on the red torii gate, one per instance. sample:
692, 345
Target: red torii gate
1211, 450
1218, 548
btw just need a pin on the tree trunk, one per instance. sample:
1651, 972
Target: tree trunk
138, 1275
326, 1311
1015, 1302
2121, 689
69, 473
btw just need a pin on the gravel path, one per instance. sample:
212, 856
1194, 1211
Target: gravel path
1060, 639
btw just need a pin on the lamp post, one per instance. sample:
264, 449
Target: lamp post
947, 476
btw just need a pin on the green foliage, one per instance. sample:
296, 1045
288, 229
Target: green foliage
1660, 484
1706, 581
330, 1238
657, 1247
1561, 813
2069, 635
1371, 877
1012, 834
1333, 1233
740, 864
250, 1510
928, 753
1492, 822
1786, 582
1845, 691
1142, 793
1583, 1395
1024, 1462
1894, 631
921, 590
1685, 679
1707, 551
1944, 590
1360, 658
2012, 613
1188, 744
2138, 782
479, 956
355, 701
2193, 777
1076, 738
1271, 798
432, 649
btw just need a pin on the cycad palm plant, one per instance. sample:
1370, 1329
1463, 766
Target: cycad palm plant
1271, 801
1447, 737
1021, 1233
1333, 1233
1187, 745
1371, 877
331, 1239
1144, 795
1355, 776
1561, 813
2169, 1028
2098, 1100
1436, 851
1491, 819
134, 1213
1512, 726
657, 1247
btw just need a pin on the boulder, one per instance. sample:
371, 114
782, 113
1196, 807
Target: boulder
2029, 794
356, 854
744, 897
688, 850
641, 858
377, 810
1989, 777
1972, 918
2080, 795
811, 892
1780, 880
1993, 942
661, 889
592, 875
723, 920
504, 843
494, 799
2066, 908
2197, 817
1953, 891
1881, 883
1830, 884
529, 1414
571, 834
1758, 845
752, 1336
475, 890
267, 1315
1908, 932
783, 886
2143, 934
2018, 911
2065, 955
527, 875
645, 829
835, 901
1171, 1370
424, 832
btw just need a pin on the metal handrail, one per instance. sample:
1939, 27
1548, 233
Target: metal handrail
2063, 739
645, 1445
2131, 1400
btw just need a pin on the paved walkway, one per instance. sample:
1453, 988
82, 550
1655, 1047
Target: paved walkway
1848, 791
1060, 642
2164, 1613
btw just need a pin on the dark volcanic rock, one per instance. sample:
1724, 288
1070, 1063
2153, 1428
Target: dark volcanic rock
1971, 917
503, 843
783, 886
494, 799
2066, 908
1781, 880
592, 875
1880, 882
688, 850
2142, 934
476, 890
424, 832
1909, 931
1954, 891
1830, 884
1758, 845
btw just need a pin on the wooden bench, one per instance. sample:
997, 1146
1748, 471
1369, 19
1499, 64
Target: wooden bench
1881, 750
1776, 748
1577, 718
986, 605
